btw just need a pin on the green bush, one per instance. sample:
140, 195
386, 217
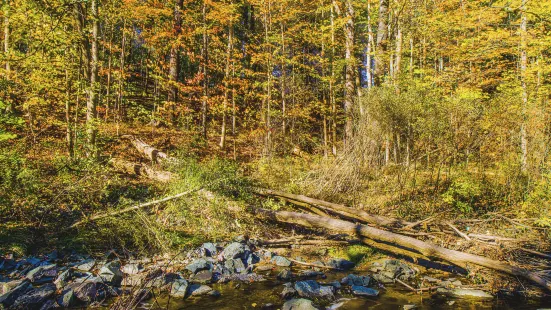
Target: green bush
463, 193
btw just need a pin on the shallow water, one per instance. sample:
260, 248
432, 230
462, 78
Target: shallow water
255, 295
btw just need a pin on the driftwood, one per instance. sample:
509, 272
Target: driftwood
147, 150
133, 208
458, 258
312, 265
342, 210
140, 169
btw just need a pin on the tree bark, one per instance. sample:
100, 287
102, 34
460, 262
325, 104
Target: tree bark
140, 170
205, 56
174, 59
226, 86
380, 47
147, 150
524, 105
91, 113
458, 258
350, 68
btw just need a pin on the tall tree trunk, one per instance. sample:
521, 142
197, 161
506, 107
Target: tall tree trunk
524, 106
205, 56
380, 47
398, 59
350, 68
267, 28
368, 65
174, 59
332, 81
69, 133
91, 113
226, 85
283, 77
109, 69
122, 76
7, 36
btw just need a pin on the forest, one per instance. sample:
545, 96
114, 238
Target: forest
203, 141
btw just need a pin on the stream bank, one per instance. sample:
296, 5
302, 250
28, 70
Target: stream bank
237, 274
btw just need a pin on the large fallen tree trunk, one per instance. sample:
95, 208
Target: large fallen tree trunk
342, 210
460, 259
140, 169
147, 150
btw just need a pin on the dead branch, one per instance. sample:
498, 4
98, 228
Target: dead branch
133, 208
147, 150
459, 232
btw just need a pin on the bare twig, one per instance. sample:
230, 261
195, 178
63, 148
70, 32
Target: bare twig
463, 235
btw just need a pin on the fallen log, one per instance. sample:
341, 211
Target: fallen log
343, 210
147, 150
458, 258
133, 208
140, 170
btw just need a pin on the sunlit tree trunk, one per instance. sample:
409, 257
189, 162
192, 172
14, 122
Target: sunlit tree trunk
524, 106
283, 77
174, 60
332, 81
350, 68
91, 113
369, 52
382, 29
118, 115
226, 86
267, 24
109, 70
69, 133
7, 35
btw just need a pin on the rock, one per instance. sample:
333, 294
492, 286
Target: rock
203, 276
35, 298
353, 279
235, 265
7, 299
199, 289
409, 307
382, 279
396, 269
288, 291
249, 278
214, 293
364, 291
285, 275
37, 273
458, 292
312, 274
280, 261
340, 263
311, 289
264, 268
209, 249
67, 298
49, 304
336, 284
298, 304
236, 250
86, 291
179, 288
457, 283
132, 268
111, 273
63, 279
199, 265
85, 265
8, 286
253, 259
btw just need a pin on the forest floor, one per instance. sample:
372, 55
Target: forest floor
72, 190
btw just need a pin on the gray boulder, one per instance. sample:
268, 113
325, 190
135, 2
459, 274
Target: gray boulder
86, 291
179, 288
199, 264
235, 265
236, 250
341, 264
298, 304
203, 276
464, 293
111, 273
132, 268
353, 279
285, 275
288, 291
63, 278
209, 249
364, 291
200, 289
67, 298
36, 274
7, 299
35, 298
281, 261
311, 289
85, 265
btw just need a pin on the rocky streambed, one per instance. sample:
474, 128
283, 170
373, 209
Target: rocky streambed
232, 275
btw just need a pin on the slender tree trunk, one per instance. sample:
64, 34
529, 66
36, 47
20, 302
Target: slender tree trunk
398, 59
381, 41
350, 68
109, 69
283, 77
267, 22
331, 83
91, 113
524, 106
226, 86
122, 77
174, 60
7, 36
205, 52
69, 133
368, 65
